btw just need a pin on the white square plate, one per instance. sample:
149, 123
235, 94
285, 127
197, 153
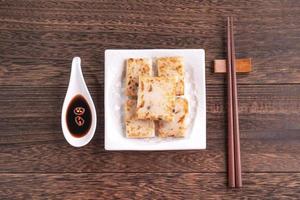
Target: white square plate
194, 61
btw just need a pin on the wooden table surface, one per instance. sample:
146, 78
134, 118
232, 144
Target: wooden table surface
37, 42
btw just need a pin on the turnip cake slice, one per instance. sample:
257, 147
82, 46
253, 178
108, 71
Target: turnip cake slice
156, 98
136, 67
137, 128
172, 66
177, 127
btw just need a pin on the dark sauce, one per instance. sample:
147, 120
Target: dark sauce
79, 116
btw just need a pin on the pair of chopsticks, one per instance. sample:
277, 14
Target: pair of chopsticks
234, 153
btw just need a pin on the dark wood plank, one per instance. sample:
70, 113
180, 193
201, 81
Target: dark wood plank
49, 72
31, 130
147, 186
266, 111
58, 156
123, 5
42, 43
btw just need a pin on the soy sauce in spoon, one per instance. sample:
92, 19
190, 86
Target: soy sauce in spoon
78, 116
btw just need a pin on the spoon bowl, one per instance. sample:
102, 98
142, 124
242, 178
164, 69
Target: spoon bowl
77, 88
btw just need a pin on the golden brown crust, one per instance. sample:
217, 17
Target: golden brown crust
134, 68
172, 66
137, 128
140, 129
130, 109
177, 127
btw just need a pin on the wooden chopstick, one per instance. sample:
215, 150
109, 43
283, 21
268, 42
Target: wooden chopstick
237, 150
231, 163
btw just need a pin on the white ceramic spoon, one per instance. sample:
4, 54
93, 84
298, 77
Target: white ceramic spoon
76, 87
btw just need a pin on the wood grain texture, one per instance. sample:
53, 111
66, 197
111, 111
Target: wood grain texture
270, 126
57, 31
148, 186
58, 156
37, 42
266, 111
